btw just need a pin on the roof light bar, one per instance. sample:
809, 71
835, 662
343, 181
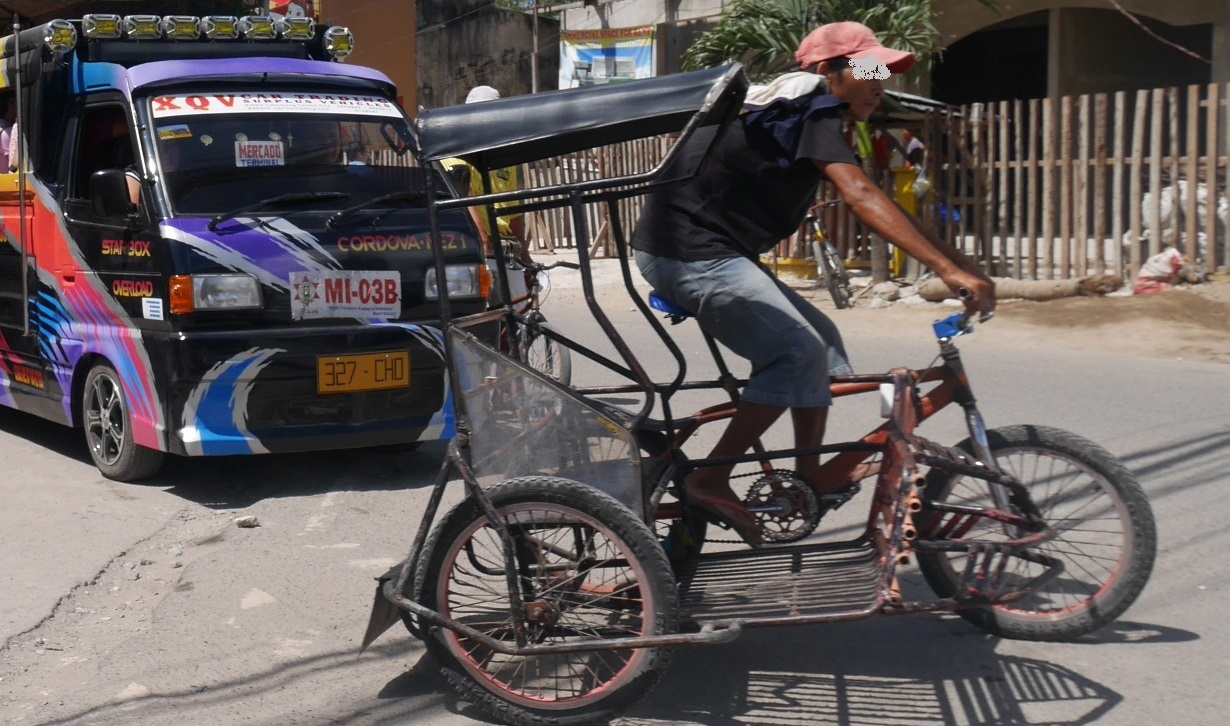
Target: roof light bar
181, 27
60, 36
339, 42
257, 27
220, 27
102, 26
297, 28
143, 27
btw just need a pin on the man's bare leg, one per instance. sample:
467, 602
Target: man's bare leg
809, 425
748, 424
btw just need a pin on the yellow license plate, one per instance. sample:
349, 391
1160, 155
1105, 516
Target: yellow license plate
369, 372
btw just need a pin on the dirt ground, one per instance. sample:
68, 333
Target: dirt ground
1191, 323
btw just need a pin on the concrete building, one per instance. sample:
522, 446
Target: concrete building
1029, 49
466, 43
1066, 47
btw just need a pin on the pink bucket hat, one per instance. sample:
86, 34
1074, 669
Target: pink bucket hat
849, 40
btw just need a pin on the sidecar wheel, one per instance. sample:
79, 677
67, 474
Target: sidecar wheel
1107, 539
588, 568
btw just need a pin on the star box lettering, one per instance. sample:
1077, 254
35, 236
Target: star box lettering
345, 294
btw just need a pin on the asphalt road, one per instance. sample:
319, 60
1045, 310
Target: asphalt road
144, 603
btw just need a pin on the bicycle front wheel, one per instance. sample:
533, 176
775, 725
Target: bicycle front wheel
546, 355
1106, 540
587, 567
836, 279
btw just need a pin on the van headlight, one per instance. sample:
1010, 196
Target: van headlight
190, 293
462, 281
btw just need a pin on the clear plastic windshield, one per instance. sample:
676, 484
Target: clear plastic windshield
524, 425
218, 152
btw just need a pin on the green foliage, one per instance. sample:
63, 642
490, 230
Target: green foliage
523, 6
763, 34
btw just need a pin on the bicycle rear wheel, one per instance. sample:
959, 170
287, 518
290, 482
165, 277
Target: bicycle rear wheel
1106, 538
588, 568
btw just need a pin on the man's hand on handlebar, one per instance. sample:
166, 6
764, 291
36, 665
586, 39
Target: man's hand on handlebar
974, 289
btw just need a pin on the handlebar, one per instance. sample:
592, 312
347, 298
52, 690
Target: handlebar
958, 324
811, 211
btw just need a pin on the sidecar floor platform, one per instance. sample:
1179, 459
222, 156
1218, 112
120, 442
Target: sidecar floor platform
777, 585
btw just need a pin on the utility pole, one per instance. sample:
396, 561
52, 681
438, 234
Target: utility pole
534, 54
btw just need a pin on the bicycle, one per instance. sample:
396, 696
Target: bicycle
529, 288
829, 267
547, 597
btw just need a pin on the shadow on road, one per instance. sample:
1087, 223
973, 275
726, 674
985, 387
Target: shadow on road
65, 441
234, 482
1185, 463
907, 671
901, 671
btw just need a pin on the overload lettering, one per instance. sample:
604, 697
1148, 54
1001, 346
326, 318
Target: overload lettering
132, 288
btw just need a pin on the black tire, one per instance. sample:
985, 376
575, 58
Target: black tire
833, 273
1107, 550
838, 266
836, 277
463, 555
546, 355
681, 539
107, 424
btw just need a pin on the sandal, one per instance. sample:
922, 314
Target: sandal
729, 515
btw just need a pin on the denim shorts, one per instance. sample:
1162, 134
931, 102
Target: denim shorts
792, 346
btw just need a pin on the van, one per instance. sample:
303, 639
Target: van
216, 243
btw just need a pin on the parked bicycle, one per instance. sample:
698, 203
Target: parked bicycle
547, 597
529, 287
830, 269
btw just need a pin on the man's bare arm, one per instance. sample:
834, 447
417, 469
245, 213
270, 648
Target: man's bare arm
887, 219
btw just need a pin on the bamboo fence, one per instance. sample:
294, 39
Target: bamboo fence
1049, 188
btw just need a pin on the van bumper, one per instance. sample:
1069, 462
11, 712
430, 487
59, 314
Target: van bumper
255, 391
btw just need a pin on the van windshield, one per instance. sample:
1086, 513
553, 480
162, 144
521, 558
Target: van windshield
218, 152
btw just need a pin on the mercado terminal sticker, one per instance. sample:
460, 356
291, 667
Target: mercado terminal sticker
259, 153
315, 103
345, 294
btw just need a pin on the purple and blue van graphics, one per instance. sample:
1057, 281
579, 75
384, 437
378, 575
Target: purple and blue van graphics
269, 284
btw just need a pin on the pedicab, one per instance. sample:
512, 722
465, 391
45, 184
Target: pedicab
557, 589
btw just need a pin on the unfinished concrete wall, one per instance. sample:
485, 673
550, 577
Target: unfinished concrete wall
462, 45
1111, 51
1095, 51
637, 13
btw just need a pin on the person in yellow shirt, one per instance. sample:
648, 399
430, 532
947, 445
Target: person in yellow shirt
511, 227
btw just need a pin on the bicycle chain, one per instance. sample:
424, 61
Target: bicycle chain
773, 472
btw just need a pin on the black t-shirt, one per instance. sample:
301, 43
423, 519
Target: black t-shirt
744, 202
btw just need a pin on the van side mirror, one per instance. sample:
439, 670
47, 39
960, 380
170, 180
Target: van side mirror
109, 193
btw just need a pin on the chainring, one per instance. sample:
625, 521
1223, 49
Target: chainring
785, 507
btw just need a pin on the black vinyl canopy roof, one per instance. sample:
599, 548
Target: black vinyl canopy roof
511, 131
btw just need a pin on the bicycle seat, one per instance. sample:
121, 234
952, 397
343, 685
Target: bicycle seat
674, 312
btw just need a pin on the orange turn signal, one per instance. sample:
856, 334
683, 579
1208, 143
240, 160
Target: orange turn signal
484, 281
181, 295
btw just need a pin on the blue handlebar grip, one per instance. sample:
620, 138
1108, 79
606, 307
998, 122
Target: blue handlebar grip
950, 327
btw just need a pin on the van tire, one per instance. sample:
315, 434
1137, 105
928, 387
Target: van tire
107, 424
